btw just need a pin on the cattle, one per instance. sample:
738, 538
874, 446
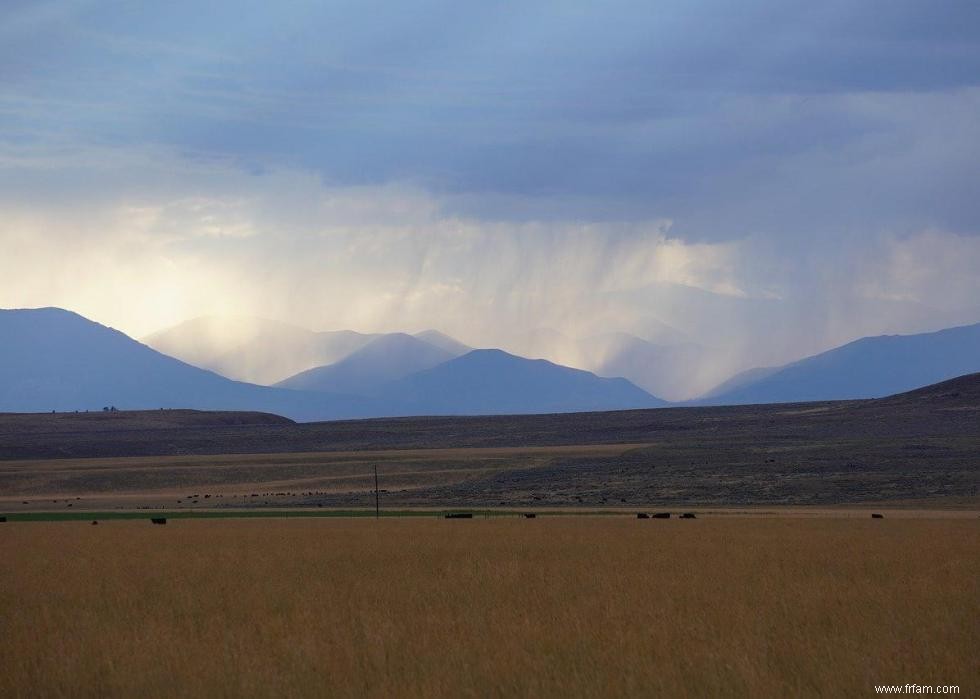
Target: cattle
158, 520
95, 521
642, 515
459, 515
529, 515
661, 515
3, 519
688, 515
875, 515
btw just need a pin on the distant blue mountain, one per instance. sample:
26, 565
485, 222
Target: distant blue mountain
52, 359
737, 382
484, 382
369, 369
871, 367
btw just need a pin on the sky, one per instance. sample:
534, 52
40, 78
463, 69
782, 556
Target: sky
769, 179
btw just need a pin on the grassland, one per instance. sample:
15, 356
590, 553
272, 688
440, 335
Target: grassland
561, 606
674, 472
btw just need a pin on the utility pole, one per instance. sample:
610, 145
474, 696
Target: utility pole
377, 496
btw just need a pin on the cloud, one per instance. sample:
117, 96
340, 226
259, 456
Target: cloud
330, 256
728, 121
770, 179
932, 268
151, 239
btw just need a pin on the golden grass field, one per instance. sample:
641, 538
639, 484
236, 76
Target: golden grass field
557, 606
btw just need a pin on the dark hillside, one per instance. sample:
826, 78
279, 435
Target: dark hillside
950, 409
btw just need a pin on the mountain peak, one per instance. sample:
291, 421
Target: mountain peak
52, 359
444, 341
365, 371
488, 381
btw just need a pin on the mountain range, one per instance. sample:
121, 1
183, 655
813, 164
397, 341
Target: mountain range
871, 367
485, 382
272, 353
369, 369
255, 349
52, 359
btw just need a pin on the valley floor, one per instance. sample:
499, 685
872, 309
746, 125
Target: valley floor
923, 446
673, 472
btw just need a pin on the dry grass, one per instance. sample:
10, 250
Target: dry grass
163, 480
557, 606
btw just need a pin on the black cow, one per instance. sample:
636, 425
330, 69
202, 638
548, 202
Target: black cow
688, 515
875, 515
529, 515
642, 515
158, 520
662, 515
459, 515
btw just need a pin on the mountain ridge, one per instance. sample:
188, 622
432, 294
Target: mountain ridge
367, 370
869, 367
494, 377
256, 350
52, 359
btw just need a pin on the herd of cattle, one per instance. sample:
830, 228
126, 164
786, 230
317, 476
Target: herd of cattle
526, 515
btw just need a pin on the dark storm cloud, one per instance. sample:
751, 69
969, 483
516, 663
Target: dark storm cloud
637, 109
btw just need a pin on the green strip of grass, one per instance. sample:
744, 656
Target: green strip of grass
207, 514
220, 514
